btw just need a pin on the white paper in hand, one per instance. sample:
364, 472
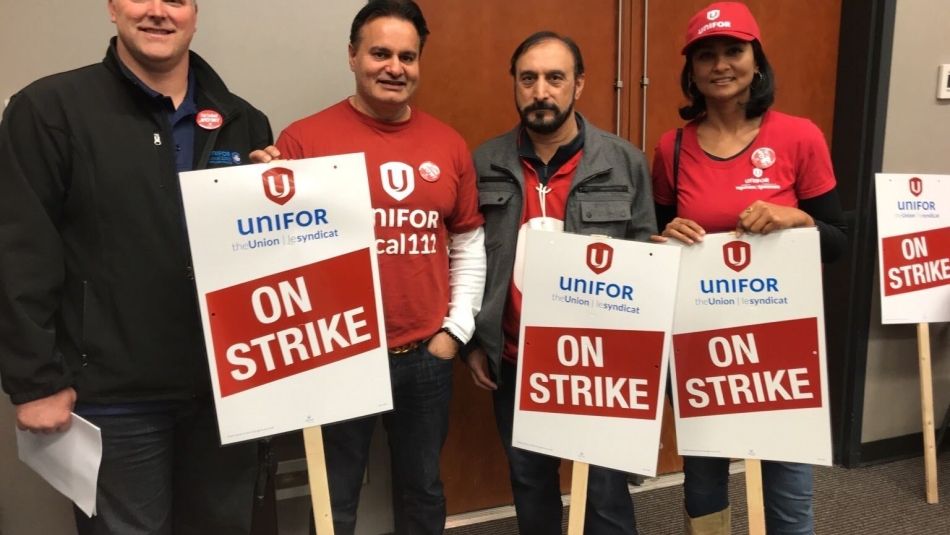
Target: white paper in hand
68, 461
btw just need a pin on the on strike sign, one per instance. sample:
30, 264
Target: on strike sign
289, 294
592, 365
914, 247
283, 324
580, 380
748, 349
735, 378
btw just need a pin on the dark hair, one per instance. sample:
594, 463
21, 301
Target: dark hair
538, 37
761, 95
401, 9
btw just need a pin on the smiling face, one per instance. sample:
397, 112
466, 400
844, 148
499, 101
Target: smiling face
723, 68
154, 35
385, 63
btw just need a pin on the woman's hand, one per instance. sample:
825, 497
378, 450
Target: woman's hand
682, 229
763, 217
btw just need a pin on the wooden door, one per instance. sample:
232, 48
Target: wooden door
465, 82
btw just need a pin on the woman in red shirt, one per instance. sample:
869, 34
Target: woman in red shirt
737, 165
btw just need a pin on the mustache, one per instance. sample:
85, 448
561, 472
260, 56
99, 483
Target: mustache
541, 106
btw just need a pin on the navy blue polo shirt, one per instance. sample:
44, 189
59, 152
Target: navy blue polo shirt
182, 120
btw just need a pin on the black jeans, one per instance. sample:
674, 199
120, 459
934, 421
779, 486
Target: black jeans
416, 429
164, 472
536, 484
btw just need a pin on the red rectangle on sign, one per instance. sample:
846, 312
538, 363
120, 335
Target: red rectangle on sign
595, 372
916, 261
752, 368
291, 322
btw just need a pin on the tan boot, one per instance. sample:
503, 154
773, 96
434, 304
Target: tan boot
712, 524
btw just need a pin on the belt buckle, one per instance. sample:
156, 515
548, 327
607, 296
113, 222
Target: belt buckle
403, 349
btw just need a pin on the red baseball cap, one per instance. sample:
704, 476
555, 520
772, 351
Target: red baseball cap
731, 19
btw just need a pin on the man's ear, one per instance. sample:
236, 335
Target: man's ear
578, 86
351, 54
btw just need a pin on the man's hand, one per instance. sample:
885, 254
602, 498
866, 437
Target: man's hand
477, 361
443, 346
51, 414
763, 217
265, 155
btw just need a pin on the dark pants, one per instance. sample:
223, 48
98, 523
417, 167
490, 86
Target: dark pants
164, 472
416, 428
536, 484
786, 489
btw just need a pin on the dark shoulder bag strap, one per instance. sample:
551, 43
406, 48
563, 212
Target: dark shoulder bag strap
676, 163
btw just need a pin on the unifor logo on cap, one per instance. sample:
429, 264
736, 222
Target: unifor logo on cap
916, 186
599, 257
712, 14
278, 184
737, 255
398, 179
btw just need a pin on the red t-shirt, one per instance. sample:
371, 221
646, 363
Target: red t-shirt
788, 161
532, 216
422, 186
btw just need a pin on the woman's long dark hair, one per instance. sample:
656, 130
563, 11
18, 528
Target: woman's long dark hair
761, 94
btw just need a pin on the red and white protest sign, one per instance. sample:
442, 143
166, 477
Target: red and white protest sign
298, 320
913, 221
582, 381
748, 363
289, 294
595, 324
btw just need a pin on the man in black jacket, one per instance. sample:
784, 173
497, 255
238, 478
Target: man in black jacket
98, 311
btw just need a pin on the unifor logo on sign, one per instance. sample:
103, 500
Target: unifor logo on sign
599, 257
278, 184
737, 255
398, 179
916, 186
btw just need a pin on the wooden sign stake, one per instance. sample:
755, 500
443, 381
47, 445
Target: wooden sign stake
575, 522
319, 487
753, 493
927, 411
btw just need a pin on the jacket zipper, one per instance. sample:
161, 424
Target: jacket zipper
579, 187
83, 356
612, 189
496, 179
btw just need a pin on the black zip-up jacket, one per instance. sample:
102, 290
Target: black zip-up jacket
96, 284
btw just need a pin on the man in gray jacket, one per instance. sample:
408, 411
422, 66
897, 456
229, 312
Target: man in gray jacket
555, 171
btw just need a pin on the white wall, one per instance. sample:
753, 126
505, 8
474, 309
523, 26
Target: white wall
286, 57
917, 140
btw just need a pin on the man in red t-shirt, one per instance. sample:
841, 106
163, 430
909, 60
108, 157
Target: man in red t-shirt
431, 252
556, 172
